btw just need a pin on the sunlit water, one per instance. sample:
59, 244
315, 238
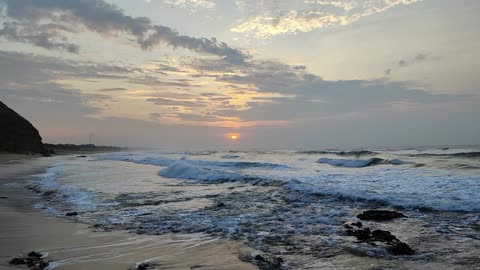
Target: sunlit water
287, 204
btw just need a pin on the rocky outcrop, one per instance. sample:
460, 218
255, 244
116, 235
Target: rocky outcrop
380, 215
17, 135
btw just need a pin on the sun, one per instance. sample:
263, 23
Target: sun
232, 136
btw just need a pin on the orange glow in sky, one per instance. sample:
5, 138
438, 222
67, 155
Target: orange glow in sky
233, 136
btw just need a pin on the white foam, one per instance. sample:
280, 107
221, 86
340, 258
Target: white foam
184, 170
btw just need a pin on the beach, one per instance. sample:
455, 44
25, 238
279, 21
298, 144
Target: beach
73, 245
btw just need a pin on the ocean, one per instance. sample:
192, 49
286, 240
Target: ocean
292, 209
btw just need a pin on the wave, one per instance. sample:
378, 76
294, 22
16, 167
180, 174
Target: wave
229, 156
185, 170
360, 163
356, 153
422, 203
157, 160
459, 155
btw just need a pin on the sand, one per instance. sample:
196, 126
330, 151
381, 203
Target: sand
74, 246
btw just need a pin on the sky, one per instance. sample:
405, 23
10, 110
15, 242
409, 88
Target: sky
278, 74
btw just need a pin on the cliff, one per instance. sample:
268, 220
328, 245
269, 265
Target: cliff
17, 134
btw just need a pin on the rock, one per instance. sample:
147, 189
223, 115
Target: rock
49, 193
401, 248
220, 204
144, 266
17, 261
357, 224
268, 263
34, 254
82, 156
380, 215
71, 214
395, 246
385, 236
360, 234
18, 135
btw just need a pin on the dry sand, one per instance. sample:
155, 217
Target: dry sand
75, 246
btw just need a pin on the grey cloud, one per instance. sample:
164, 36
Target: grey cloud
173, 102
154, 81
28, 34
197, 117
29, 68
408, 62
310, 96
116, 89
98, 16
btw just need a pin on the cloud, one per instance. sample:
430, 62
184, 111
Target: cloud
191, 3
312, 15
115, 89
408, 62
173, 102
29, 20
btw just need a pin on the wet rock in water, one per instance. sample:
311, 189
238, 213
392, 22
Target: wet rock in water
357, 224
71, 214
17, 261
395, 246
144, 266
360, 234
34, 261
385, 236
380, 215
82, 156
49, 193
220, 204
401, 248
34, 254
267, 263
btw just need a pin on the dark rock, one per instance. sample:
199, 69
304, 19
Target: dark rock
34, 254
395, 246
380, 215
401, 248
357, 224
49, 193
220, 204
71, 214
43, 265
360, 234
17, 135
82, 156
385, 236
268, 263
3, 197
17, 261
144, 266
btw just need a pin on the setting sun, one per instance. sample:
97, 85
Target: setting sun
232, 136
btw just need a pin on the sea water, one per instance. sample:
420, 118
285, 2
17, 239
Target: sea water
285, 204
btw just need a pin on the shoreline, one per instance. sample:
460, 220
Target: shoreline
73, 246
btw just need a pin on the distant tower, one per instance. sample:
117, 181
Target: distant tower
91, 136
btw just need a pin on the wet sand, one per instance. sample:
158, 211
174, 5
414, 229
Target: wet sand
73, 246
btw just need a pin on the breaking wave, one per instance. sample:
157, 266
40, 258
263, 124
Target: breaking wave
185, 170
359, 163
356, 153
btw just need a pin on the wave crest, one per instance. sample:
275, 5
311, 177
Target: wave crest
359, 163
